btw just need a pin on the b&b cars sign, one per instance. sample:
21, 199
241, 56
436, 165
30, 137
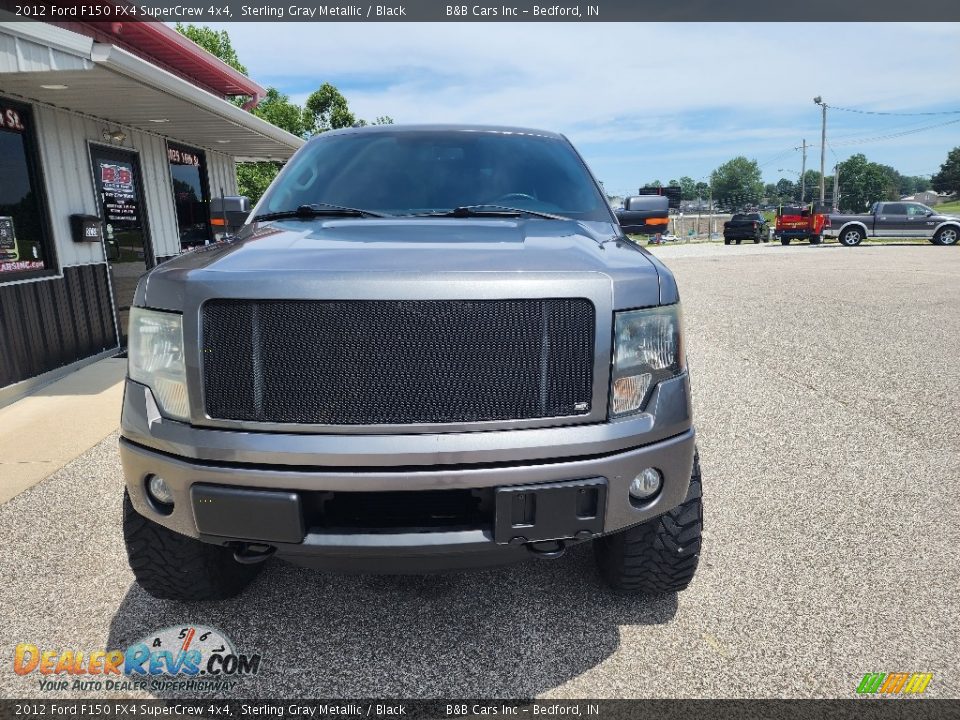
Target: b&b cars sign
119, 194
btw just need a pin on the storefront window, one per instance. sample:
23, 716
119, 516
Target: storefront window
23, 225
188, 168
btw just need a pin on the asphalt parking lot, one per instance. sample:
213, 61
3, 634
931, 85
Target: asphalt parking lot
826, 385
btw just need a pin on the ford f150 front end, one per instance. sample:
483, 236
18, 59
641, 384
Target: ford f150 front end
431, 348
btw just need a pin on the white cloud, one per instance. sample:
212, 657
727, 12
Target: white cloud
569, 73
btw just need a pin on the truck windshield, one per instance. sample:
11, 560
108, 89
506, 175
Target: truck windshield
413, 172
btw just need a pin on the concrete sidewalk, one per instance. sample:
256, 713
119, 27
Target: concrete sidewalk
44, 431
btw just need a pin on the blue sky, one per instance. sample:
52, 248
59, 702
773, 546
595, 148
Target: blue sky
641, 102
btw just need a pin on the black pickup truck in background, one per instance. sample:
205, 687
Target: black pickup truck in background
746, 226
893, 220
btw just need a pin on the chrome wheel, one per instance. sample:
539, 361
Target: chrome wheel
851, 238
947, 236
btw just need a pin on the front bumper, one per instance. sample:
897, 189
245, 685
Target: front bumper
186, 456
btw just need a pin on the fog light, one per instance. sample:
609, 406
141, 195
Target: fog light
159, 491
646, 484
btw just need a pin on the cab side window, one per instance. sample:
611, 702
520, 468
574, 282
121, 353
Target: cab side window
917, 210
894, 209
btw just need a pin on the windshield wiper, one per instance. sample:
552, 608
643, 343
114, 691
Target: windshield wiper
484, 210
319, 210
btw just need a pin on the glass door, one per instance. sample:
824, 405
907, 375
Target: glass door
119, 186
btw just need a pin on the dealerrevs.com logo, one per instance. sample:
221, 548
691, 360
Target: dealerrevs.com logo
186, 658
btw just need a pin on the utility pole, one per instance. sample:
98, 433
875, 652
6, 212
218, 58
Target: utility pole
710, 209
823, 146
699, 211
803, 171
836, 187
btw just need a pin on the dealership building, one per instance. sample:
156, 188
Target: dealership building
114, 138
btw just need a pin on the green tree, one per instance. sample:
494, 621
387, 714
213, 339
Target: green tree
863, 183
947, 178
811, 186
325, 109
214, 42
687, 188
787, 190
277, 109
737, 182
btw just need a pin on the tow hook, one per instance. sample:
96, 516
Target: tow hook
252, 553
548, 550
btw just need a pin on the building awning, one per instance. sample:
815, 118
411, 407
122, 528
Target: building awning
176, 52
111, 84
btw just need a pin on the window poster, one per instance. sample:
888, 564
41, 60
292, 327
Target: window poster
120, 201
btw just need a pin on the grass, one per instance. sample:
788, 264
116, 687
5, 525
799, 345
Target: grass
950, 208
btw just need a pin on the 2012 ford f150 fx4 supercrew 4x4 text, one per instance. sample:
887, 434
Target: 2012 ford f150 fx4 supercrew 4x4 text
429, 348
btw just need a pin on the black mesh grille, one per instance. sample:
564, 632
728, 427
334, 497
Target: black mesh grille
397, 362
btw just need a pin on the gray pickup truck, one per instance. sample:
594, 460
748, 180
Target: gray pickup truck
895, 219
429, 348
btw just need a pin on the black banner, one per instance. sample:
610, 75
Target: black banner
200, 11
859, 709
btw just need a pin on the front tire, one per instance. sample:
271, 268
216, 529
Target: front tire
659, 556
726, 241
784, 241
171, 566
851, 237
947, 236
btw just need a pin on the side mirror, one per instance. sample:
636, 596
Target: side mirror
644, 214
227, 214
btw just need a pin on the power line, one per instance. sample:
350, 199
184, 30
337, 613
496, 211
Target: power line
778, 156
899, 114
891, 136
896, 128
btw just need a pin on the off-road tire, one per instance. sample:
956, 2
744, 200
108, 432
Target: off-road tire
171, 566
659, 556
946, 236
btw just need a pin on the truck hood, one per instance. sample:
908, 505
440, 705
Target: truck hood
418, 249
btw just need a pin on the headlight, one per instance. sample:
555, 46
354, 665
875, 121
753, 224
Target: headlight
156, 358
648, 348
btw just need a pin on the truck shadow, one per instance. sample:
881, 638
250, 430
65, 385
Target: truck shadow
516, 631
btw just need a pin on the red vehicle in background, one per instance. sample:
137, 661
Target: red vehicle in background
796, 222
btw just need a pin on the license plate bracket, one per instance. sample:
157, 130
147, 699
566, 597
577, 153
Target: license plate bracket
550, 511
